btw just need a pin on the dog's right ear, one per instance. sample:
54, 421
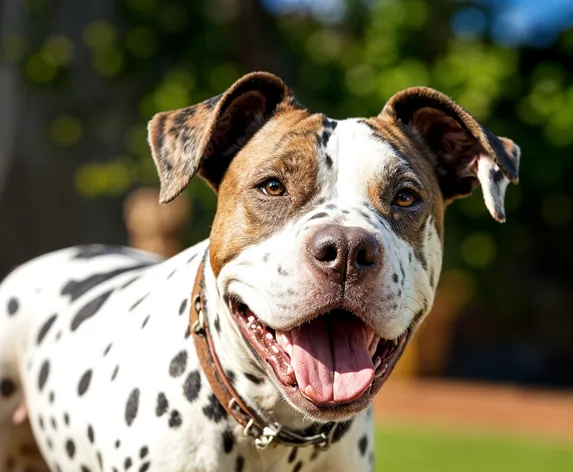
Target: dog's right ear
204, 138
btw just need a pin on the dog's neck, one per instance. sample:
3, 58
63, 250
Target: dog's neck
249, 379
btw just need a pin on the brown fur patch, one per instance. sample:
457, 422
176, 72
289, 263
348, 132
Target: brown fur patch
285, 149
419, 175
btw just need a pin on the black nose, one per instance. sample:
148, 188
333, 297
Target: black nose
342, 252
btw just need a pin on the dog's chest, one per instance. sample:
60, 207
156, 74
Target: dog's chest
112, 379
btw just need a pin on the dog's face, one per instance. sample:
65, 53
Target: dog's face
327, 242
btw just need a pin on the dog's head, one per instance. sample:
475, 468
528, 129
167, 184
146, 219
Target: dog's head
327, 242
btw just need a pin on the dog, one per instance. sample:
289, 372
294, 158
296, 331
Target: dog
262, 348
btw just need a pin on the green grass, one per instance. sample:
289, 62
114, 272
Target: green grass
417, 450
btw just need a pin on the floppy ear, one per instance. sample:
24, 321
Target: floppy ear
464, 152
204, 138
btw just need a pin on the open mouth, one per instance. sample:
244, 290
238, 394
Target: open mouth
331, 360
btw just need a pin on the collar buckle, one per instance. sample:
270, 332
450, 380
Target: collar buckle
199, 325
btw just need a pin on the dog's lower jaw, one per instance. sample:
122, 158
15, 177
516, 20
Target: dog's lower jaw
251, 380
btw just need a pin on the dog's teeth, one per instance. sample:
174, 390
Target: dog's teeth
373, 346
395, 341
251, 318
270, 337
377, 362
275, 349
289, 350
290, 369
382, 372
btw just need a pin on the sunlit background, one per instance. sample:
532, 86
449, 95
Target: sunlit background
486, 385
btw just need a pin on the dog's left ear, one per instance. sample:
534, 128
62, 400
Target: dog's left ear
204, 138
464, 152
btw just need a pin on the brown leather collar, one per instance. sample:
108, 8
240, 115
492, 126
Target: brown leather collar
263, 431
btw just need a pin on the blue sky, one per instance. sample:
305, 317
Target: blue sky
516, 21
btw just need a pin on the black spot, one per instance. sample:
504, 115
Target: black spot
91, 434
89, 309
292, 455
192, 386
114, 374
58, 335
99, 460
346, 212
178, 364
41, 423
45, 328
328, 123
132, 406
321, 214
13, 306
365, 215
95, 250
228, 441
7, 388
106, 351
297, 467
266, 257
70, 448
162, 404
214, 410
127, 464
117, 444
76, 288
67, 419
145, 321
182, 307
328, 161
341, 429
84, 382
143, 452
230, 376
322, 139
217, 324
136, 304
144, 467
84, 469
240, 464
252, 378
129, 282
171, 274
320, 201
192, 258
54, 424
58, 468
187, 332
362, 445
50, 444
410, 257
175, 419
395, 277
282, 271
43, 377
331, 206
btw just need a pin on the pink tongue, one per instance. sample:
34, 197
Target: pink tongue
330, 359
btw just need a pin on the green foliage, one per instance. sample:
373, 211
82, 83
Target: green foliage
176, 53
415, 449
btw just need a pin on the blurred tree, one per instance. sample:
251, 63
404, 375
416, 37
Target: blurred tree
91, 74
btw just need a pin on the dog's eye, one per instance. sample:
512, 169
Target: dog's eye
273, 188
405, 198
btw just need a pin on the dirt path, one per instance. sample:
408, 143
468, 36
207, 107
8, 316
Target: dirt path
477, 406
